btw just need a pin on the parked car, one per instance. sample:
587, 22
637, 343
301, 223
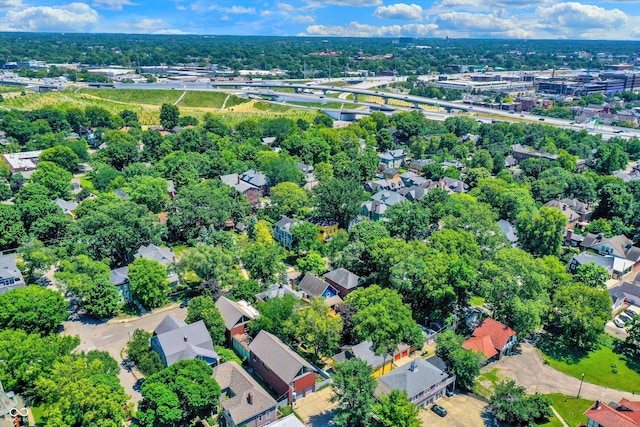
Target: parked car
630, 312
439, 410
184, 303
619, 323
624, 318
138, 384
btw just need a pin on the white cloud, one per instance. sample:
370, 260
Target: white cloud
285, 7
113, 4
356, 29
412, 12
477, 22
149, 26
573, 15
73, 17
314, 4
231, 10
10, 4
302, 19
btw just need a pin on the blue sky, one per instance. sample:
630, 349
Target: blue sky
584, 19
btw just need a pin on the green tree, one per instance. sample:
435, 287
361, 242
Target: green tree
208, 262
37, 258
312, 263
169, 116
287, 198
353, 387
33, 309
203, 308
139, 351
274, 314
121, 150
396, 410
407, 220
579, 314
305, 237
633, 339
149, 191
62, 156
511, 404
592, 275
166, 401
339, 199
464, 364
148, 282
54, 178
263, 260
542, 232
313, 328
102, 300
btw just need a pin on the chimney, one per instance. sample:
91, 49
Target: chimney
596, 406
186, 339
281, 285
237, 179
413, 366
304, 295
293, 284
250, 398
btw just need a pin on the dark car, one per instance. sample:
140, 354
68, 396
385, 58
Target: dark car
138, 384
184, 303
439, 410
630, 312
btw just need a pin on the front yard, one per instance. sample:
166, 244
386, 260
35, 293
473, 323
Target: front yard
602, 366
569, 408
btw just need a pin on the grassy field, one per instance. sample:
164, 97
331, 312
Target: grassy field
602, 366
199, 99
569, 408
133, 96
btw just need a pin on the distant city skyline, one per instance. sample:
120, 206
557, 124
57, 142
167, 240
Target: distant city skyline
520, 19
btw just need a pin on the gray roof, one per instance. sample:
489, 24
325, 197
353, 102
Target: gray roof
619, 291
420, 163
313, 285
392, 154
233, 313
278, 357
120, 193
184, 342
565, 208
509, 231
256, 178
286, 223
278, 291
164, 256
119, 276
8, 267
575, 204
236, 385
608, 262
622, 246
438, 362
233, 180
344, 278
66, 206
388, 197
288, 421
365, 351
169, 323
414, 377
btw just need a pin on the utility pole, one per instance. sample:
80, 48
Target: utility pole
580, 389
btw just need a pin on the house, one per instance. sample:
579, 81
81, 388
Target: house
23, 163
409, 179
617, 246
378, 204
164, 256
278, 291
67, 206
174, 340
258, 179
343, 281
365, 351
423, 382
624, 414
314, 287
393, 183
521, 152
10, 275
244, 402
282, 231
281, 368
309, 175
236, 315
327, 227
248, 190
581, 208
120, 278
493, 339
456, 164
509, 231
453, 186
617, 267
572, 216
625, 293
393, 158
120, 193
417, 165
634, 175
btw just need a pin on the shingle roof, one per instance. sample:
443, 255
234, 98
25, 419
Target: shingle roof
278, 291
66, 206
414, 377
236, 385
8, 267
618, 292
256, 178
365, 351
119, 275
313, 285
286, 223
164, 256
288, 421
482, 345
498, 332
169, 323
278, 357
607, 416
344, 278
233, 313
622, 246
566, 210
184, 342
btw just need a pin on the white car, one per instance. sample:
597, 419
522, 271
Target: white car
618, 322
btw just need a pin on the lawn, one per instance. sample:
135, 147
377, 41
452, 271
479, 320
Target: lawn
201, 99
136, 96
602, 366
569, 408
476, 301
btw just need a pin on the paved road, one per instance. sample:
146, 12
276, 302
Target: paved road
529, 370
113, 336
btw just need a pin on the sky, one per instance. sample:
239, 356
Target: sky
519, 19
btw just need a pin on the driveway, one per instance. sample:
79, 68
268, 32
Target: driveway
529, 370
113, 336
316, 410
613, 330
463, 411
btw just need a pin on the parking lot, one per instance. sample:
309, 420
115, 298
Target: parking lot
462, 411
316, 410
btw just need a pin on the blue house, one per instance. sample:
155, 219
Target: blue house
313, 286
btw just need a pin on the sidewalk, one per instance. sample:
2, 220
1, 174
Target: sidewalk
133, 319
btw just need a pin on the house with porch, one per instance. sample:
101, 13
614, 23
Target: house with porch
288, 374
493, 339
625, 413
617, 246
616, 267
314, 287
423, 382
164, 256
244, 402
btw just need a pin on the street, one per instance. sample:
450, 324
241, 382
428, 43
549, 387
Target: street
112, 337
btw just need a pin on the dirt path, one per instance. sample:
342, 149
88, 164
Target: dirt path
529, 370
180, 99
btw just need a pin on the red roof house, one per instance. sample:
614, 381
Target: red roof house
626, 414
491, 332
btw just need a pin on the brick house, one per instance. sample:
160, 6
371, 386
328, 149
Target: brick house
283, 369
343, 281
236, 315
